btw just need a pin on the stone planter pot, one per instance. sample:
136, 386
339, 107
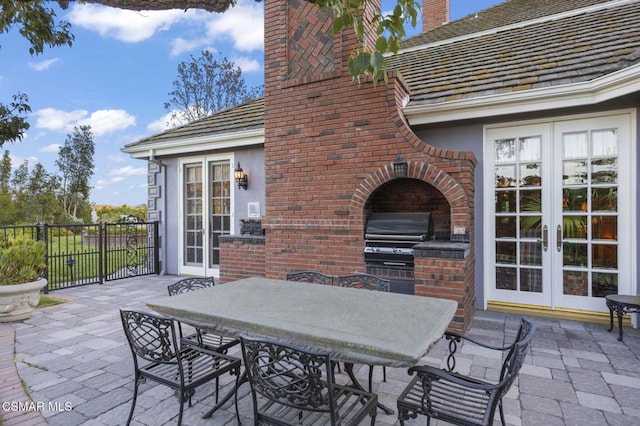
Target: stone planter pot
17, 301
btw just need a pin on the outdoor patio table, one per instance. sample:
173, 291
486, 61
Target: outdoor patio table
353, 325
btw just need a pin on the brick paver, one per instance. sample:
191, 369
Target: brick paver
78, 369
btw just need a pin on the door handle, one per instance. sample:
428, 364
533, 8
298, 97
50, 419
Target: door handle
545, 238
559, 238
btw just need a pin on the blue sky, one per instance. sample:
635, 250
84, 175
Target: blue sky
117, 75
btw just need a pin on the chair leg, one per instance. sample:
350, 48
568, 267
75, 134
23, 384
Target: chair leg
384, 374
371, 378
181, 410
501, 412
236, 396
135, 397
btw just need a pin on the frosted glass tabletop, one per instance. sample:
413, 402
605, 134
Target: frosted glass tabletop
353, 325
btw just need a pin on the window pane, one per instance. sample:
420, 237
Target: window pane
605, 228
530, 148
604, 284
506, 279
574, 145
574, 254
505, 227
505, 176
574, 172
531, 280
604, 170
530, 174
505, 252
505, 201
575, 283
574, 199
505, 151
605, 256
604, 199
604, 142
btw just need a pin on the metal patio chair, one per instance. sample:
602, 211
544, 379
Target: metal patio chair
200, 337
459, 399
294, 386
313, 277
152, 338
368, 282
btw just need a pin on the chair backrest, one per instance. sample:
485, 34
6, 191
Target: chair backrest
189, 284
151, 337
366, 281
516, 355
289, 375
310, 277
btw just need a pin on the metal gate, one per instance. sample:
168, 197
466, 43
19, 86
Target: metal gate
81, 254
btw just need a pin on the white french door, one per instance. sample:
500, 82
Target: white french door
205, 213
559, 204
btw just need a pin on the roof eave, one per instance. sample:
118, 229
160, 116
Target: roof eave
611, 86
191, 145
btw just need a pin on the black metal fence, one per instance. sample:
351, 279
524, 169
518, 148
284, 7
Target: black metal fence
83, 254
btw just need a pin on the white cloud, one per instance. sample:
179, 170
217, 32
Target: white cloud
102, 121
58, 120
107, 121
127, 171
166, 122
244, 24
54, 147
181, 45
43, 65
125, 25
16, 160
116, 158
247, 64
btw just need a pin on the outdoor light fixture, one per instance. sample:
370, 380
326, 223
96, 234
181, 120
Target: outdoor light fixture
242, 180
400, 167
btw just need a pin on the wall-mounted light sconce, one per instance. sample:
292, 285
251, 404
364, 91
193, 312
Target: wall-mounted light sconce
400, 167
242, 180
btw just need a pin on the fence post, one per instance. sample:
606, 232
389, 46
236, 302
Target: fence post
41, 235
102, 251
156, 248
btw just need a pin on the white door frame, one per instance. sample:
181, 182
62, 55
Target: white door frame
626, 204
204, 161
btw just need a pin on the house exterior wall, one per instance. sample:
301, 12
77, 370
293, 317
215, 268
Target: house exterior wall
469, 136
164, 202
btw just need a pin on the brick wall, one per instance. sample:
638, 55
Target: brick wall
330, 145
434, 14
242, 257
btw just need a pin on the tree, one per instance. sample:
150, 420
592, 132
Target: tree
42, 196
37, 24
387, 30
206, 85
75, 162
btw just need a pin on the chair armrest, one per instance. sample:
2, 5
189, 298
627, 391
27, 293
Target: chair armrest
437, 374
457, 337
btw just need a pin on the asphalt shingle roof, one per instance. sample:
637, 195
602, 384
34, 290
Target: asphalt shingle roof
247, 116
566, 50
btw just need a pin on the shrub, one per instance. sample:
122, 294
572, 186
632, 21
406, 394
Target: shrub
21, 260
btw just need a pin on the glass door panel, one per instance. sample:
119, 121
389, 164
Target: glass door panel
589, 213
219, 207
559, 195
193, 225
517, 164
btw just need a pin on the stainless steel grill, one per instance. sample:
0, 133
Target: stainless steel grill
390, 237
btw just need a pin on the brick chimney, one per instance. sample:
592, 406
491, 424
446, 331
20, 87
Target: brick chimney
434, 14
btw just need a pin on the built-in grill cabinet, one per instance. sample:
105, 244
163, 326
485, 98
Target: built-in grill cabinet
389, 240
